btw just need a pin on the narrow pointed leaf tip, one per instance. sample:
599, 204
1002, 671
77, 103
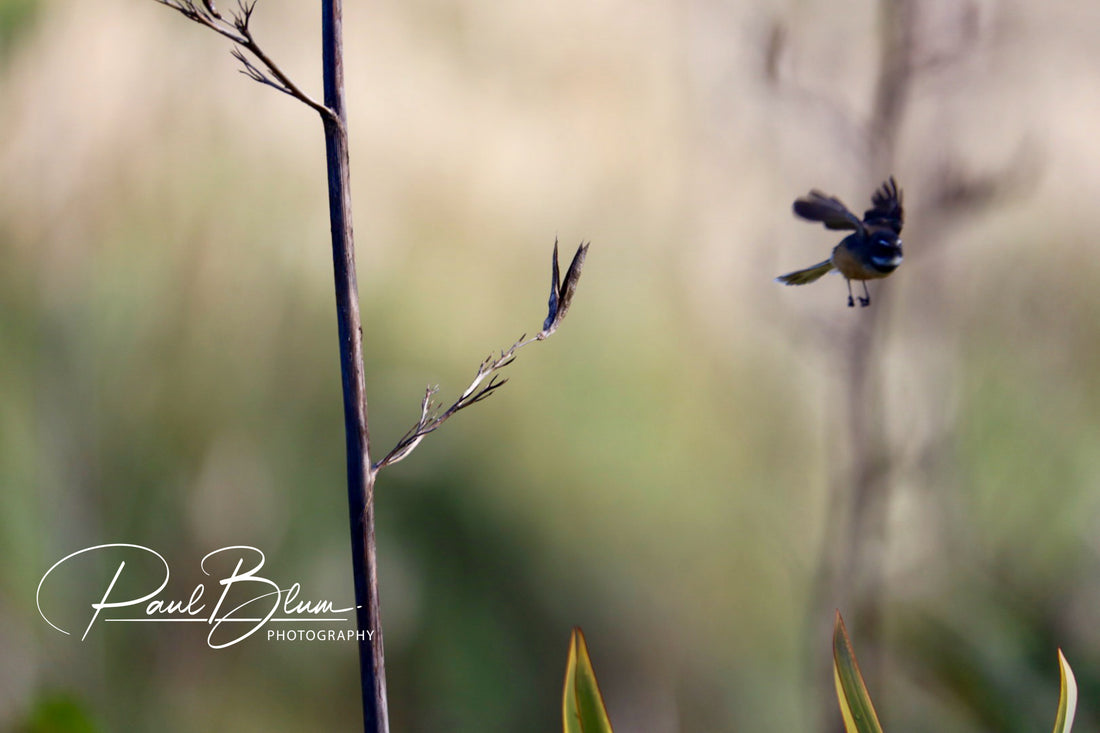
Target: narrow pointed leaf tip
561, 291
1067, 698
582, 707
555, 285
855, 702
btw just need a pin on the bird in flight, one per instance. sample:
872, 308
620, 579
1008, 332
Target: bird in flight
873, 251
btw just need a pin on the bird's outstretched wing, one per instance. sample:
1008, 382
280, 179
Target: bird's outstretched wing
886, 207
828, 210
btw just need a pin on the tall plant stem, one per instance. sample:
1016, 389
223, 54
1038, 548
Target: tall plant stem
360, 475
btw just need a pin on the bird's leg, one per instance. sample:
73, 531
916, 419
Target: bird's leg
851, 302
866, 299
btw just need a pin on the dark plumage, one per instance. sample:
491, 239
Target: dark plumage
872, 252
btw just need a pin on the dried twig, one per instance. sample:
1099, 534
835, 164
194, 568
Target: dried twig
236, 28
430, 416
361, 472
561, 296
357, 435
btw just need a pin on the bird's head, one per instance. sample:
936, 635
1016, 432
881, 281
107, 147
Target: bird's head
885, 250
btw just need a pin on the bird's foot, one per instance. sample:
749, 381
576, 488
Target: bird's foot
864, 301
852, 303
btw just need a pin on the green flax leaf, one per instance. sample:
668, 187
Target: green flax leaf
582, 705
1067, 698
855, 702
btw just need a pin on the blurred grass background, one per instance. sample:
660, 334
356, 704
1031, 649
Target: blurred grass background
660, 472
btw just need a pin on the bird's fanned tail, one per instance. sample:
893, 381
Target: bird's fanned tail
801, 277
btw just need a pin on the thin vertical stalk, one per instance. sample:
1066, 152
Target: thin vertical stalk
372, 668
362, 473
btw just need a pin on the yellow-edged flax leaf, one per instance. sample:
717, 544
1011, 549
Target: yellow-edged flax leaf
1067, 698
582, 708
855, 702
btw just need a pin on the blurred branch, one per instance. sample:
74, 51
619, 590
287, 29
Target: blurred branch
843, 120
869, 483
852, 565
959, 192
431, 419
904, 57
925, 63
898, 23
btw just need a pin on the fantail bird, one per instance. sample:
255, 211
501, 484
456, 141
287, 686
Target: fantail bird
874, 251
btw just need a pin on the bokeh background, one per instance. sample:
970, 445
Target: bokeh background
699, 468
